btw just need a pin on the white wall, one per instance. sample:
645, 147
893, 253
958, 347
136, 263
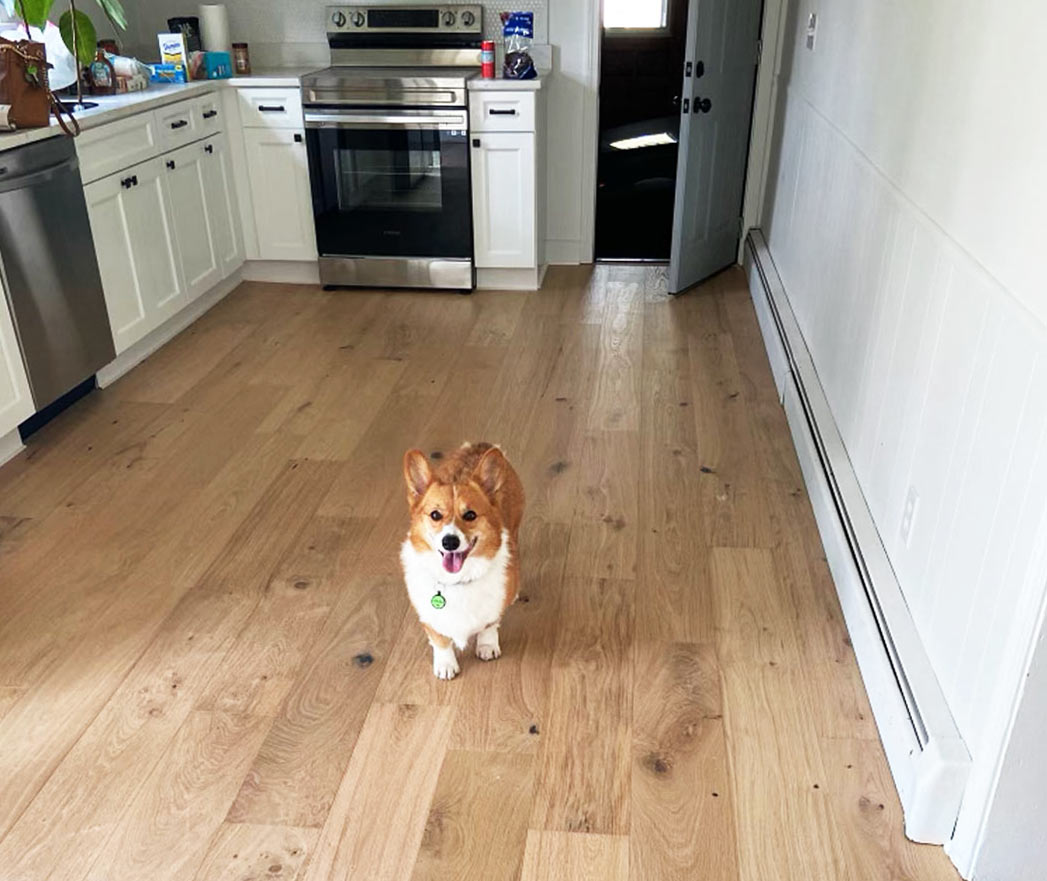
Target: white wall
906, 215
292, 33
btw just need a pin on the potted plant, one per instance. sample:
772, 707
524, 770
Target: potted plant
77, 30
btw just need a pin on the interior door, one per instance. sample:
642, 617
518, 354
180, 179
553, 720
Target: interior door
715, 118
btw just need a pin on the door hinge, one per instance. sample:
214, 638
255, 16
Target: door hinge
741, 227
759, 51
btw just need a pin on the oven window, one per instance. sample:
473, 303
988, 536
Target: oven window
394, 192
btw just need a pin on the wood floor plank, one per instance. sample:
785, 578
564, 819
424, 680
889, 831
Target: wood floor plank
584, 764
681, 796
297, 771
754, 610
573, 856
374, 830
165, 830
208, 664
263, 665
477, 823
88, 791
242, 852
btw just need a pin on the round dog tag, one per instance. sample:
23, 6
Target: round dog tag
438, 600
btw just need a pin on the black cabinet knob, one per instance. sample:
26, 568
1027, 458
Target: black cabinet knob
171, 164
702, 105
297, 138
209, 148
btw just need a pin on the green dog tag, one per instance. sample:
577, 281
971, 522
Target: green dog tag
438, 600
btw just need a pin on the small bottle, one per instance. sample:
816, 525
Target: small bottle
241, 59
487, 59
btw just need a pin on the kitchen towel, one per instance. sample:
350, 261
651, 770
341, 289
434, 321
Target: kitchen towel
214, 27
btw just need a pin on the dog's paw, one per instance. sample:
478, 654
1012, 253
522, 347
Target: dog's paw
445, 667
487, 652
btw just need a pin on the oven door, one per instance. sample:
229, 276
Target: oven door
390, 183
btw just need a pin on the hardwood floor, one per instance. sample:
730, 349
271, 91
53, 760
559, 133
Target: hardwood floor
208, 666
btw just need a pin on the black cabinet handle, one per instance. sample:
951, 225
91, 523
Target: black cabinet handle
686, 105
476, 142
494, 112
171, 164
181, 123
209, 148
210, 114
127, 183
297, 138
270, 108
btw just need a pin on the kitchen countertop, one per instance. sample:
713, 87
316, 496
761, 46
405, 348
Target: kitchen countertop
113, 107
499, 84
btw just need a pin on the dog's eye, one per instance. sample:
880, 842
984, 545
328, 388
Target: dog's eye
436, 515
469, 515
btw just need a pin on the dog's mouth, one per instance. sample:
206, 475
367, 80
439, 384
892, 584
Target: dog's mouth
454, 560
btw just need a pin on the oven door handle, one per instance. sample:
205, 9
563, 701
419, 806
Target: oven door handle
381, 120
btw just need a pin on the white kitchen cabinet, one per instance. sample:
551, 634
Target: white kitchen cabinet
198, 258
278, 172
133, 230
16, 402
505, 233
508, 174
222, 210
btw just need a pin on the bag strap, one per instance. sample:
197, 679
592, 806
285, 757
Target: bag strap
60, 108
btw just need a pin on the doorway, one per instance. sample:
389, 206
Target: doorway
641, 57
677, 84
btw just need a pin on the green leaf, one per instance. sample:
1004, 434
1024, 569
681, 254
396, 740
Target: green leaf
34, 11
114, 11
86, 38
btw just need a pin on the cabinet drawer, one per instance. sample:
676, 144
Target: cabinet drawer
208, 113
270, 108
115, 146
501, 111
178, 124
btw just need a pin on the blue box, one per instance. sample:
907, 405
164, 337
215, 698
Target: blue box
217, 66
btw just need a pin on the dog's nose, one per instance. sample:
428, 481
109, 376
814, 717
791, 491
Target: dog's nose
451, 542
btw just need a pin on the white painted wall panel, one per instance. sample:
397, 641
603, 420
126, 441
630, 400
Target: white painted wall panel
907, 227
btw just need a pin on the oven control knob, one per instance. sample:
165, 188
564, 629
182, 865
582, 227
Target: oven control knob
359, 19
468, 18
449, 18
338, 19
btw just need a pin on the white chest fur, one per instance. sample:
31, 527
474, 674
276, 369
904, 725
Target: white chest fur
470, 604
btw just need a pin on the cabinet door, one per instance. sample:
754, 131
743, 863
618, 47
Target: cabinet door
16, 402
279, 174
504, 200
184, 170
131, 224
222, 209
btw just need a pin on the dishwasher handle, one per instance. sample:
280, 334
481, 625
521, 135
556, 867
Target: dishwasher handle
23, 181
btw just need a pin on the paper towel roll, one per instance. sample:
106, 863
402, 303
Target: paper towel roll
214, 28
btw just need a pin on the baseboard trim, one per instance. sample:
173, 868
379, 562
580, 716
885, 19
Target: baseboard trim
10, 445
526, 279
927, 757
134, 355
282, 271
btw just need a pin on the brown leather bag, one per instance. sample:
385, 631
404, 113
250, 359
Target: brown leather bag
25, 90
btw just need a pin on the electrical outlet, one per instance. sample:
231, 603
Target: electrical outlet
812, 29
912, 505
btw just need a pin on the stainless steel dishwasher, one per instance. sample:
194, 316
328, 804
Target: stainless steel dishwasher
50, 274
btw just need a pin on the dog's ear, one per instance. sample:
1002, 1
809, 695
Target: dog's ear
417, 475
490, 471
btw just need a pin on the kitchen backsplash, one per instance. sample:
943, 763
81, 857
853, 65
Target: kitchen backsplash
290, 33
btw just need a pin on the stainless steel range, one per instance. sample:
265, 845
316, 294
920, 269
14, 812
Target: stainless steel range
387, 131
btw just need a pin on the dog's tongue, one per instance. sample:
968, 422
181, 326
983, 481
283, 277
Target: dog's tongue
453, 561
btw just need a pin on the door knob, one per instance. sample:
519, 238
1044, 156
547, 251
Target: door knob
702, 105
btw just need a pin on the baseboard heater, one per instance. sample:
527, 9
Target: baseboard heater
927, 757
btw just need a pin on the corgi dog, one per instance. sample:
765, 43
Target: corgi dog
460, 559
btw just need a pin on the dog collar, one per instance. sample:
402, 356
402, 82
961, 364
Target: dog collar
437, 600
